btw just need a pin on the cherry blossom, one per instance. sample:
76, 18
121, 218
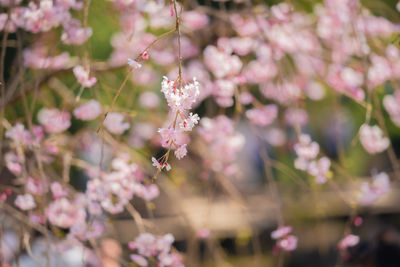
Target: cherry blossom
147, 245
74, 34
139, 260
180, 97
37, 58
160, 165
35, 186
372, 139
281, 232
149, 100
320, 169
283, 238
348, 241
181, 151
12, 163
288, 243
19, 135
57, 190
275, 137
88, 111
114, 123
25, 202
83, 77
251, 62
370, 192
392, 106
224, 143
195, 20
64, 213
306, 150
262, 116
147, 192
54, 120
296, 117
87, 231
188, 123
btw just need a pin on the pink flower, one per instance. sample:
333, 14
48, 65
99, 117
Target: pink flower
156, 248
139, 260
296, 117
348, 241
25, 202
203, 233
160, 165
319, 169
372, 139
37, 218
163, 243
194, 20
168, 136
149, 192
275, 137
149, 100
145, 244
306, 151
305, 148
74, 34
259, 71
88, 111
156, 163
223, 143
263, 116
281, 11
85, 231
379, 72
36, 58
392, 106
53, 120
224, 88
242, 46
180, 97
315, 91
281, 232
35, 186
57, 190
188, 123
19, 135
12, 163
221, 64
246, 98
181, 152
64, 213
289, 243
83, 77
372, 191
114, 123
145, 55
284, 93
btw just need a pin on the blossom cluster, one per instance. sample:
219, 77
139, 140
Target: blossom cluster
307, 152
180, 98
223, 142
284, 240
149, 248
268, 69
370, 192
113, 190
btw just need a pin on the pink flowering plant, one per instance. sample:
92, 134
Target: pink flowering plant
149, 132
